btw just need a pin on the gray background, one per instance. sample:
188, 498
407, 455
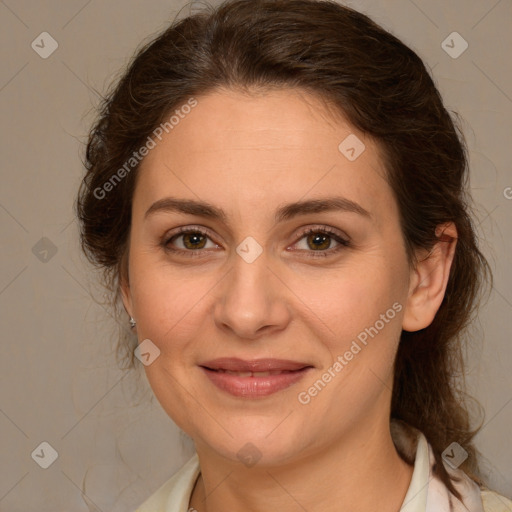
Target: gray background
58, 377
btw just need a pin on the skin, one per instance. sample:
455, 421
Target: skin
249, 154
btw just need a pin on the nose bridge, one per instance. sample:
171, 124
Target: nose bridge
251, 298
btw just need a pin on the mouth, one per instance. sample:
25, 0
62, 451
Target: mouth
256, 378
251, 374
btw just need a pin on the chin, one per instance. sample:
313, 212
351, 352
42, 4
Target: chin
257, 442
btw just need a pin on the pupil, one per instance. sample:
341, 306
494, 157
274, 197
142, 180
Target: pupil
194, 239
319, 240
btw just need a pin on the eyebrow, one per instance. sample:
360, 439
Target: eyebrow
286, 212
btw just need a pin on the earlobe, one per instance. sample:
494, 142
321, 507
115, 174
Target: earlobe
429, 279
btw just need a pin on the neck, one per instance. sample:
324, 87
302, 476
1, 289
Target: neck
361, 472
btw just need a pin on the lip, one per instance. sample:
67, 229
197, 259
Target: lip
283, 374
255, 365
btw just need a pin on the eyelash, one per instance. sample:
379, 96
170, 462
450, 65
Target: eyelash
324, 230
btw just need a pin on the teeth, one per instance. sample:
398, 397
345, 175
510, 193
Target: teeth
240, 374
255, 374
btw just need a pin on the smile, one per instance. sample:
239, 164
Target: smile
254, 379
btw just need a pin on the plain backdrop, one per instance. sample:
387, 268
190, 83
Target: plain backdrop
59, 382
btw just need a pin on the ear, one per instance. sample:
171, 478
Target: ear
429, 279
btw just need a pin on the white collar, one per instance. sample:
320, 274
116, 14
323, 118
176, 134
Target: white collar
426, 492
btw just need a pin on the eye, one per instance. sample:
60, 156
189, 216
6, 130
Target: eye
189, 240
318, 241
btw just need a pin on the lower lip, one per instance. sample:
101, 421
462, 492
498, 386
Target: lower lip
254, 387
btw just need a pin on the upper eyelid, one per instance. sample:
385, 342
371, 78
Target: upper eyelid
188, 229
299, 233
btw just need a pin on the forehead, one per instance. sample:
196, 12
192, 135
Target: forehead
278, 119
263, 148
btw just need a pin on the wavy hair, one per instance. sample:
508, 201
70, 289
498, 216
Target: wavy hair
384, 89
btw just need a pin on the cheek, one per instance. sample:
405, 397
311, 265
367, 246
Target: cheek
169, 312
364, 314
365, 317
157, 288
359, 298
166, 313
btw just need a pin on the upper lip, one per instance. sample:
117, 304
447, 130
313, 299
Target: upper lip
255, 365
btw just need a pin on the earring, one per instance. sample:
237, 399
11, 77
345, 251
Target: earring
132, 322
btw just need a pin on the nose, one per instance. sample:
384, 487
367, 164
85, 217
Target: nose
253, 300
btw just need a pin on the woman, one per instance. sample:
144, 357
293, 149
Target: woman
277, 195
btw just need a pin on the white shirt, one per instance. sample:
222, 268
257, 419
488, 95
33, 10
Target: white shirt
426, 492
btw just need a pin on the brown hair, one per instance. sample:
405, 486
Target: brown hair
384, 90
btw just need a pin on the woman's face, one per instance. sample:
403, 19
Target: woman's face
251, 284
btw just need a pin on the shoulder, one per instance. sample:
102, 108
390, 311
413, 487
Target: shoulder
174, 494
494, 502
